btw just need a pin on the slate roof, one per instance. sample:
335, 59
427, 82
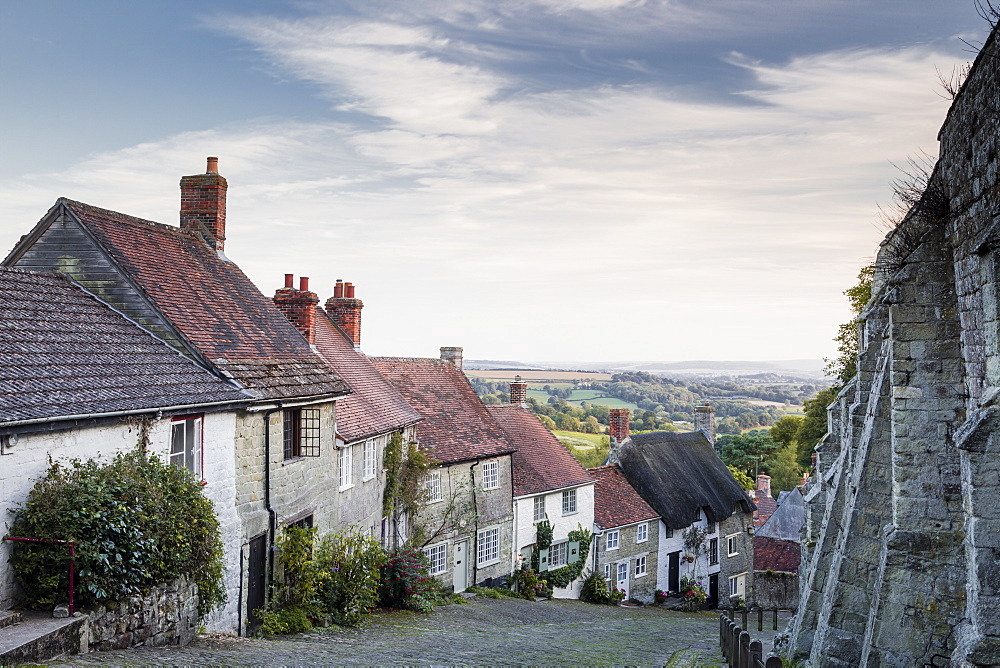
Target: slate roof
212, 304
787, 520
66, 353
616, 503
456, 425
375, 407
541, 463
677, 473
776, 554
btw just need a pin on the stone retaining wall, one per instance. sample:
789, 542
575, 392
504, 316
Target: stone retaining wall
167, 615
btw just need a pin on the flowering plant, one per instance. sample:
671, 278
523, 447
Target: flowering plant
617, 595
693, 593
660, 596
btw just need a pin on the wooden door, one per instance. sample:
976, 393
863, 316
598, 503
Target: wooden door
256, 582
460, 573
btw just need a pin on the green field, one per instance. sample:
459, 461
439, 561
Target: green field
589, 449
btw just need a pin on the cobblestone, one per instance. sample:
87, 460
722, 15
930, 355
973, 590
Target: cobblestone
484, 632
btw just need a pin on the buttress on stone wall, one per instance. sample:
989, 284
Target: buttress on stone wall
901, 552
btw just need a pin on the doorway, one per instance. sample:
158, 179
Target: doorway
713, 591
256, 581
460, 573
674, 571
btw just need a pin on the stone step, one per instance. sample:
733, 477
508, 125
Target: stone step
9, 618
40, 637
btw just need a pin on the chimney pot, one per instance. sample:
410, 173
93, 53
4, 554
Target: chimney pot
213, 165
338, 289
349, 290
345, 310
203, 206
289, 280
304, 283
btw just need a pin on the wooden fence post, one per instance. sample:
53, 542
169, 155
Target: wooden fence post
743, 655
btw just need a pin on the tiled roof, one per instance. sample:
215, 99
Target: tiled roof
66, 353
678, 473
541, 463
456, 425
212, 303
616, 503
766, 505
776, 554
375, 407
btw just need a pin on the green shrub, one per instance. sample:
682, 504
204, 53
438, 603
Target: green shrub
529, 584
595, 589
280, 621
349, 563
404, 575
137, 522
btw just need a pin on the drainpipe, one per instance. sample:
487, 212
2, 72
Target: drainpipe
272, 519
475, 532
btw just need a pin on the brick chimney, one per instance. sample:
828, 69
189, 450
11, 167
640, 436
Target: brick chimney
345, 310
519, 392
299, 306
704, 421
452, 354
203, 205
618, 421
764, 483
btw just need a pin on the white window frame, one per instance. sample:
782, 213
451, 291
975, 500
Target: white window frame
611, 540
569, 502
640, 566
370, 459
437, 558
737, 585
558, 554
491, 475
731, 544
345, 467
186, 446
488, 546
538, 509
642, 533
607, 572
432, 484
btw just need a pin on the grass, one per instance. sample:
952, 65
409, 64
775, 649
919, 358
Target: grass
589, 449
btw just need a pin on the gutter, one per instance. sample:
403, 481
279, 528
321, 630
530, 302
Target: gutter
138, 411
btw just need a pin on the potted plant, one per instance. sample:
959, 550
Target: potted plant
660, 596
689, 558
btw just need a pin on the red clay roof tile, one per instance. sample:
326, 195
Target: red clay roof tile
616, 503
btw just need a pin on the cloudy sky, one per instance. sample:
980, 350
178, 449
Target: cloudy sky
530, 179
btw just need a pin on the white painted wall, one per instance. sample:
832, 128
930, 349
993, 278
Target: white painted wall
28, 461
700, 568
524, 525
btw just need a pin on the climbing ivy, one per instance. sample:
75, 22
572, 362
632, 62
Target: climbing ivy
564, 575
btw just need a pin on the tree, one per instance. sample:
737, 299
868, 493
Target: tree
813, 426
747, 452
745, 481
784, 430
845, 365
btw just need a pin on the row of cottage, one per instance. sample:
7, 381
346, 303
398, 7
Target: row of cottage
110, 322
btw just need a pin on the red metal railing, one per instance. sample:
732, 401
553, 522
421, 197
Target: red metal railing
72, 562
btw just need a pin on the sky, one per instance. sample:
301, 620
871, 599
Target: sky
588, 180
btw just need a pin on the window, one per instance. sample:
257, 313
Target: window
642, 533
488, 546
710, 527
640, 566
345, 464
557, 555
369, 460
185, 445
538, 511
301, 432
304, 523
697, 515
437, 558
737, 585
569, 502
670, 533
607, 571
713, 551
611, 542
432, 485
732, 545
491, 475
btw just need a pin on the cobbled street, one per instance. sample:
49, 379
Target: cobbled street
484, 632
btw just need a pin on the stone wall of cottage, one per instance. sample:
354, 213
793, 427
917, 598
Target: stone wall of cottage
167, 615
901, 558
643, 587
739, 563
